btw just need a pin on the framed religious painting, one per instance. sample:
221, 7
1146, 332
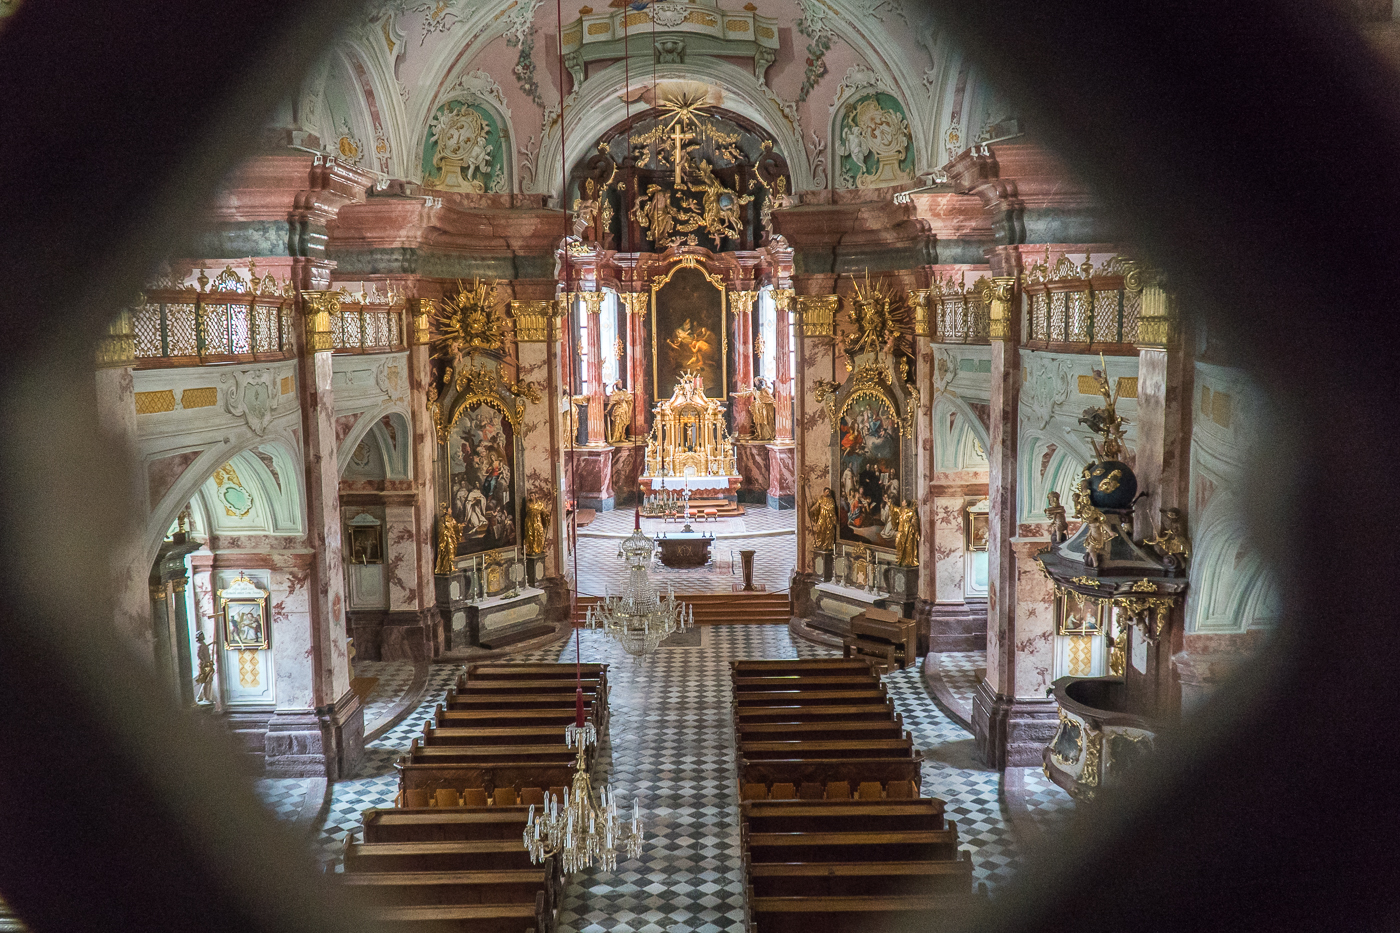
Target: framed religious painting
481, 470
1075, 615
243, 607
868, 488
688, 332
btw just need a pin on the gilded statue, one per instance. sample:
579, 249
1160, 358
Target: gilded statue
620, 403
1105, 421
1171, 541
906, 535
1098, 538
761, 411
1055, 512
204, 680
654, 215
449, 536
536, 520
1081, 496
821, 521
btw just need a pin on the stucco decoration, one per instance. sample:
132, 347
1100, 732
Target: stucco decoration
253, 395
465, 150
820, 34
1047, 385
520, 34
875, 142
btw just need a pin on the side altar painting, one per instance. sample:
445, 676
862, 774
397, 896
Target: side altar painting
481, 480
689, 334
868, 493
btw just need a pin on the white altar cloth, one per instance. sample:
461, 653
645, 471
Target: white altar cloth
692, 483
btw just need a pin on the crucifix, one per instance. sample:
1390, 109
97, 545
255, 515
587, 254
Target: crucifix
678, 139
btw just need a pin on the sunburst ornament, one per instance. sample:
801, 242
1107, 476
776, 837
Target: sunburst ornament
468, 322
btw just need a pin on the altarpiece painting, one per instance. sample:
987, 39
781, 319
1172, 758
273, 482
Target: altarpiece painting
481, 480
868, 485
687, 321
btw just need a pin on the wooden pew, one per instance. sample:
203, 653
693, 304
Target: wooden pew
493, 701
430, 888
484, 775
788, 697
468, 918
860, 879
841, 748
806, 665
910, 913
494, 735
544, 686
873, 711
450, 824
559, 754
453, 855
831, 730
911, 845
798, 771
861, 680
799, 816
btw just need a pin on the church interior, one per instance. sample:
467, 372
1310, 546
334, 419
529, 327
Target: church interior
687, 466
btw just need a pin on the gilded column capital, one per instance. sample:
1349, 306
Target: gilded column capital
741, 301
817, 314
317, 309
532, 319
919, 301
420, 311
999, 318
116, 349
782, 298
635, 302
592, 301
1157, 315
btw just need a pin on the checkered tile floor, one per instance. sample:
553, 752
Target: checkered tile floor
669, 744
1046, 802
959, 672
283, 796
395, 679
600, 571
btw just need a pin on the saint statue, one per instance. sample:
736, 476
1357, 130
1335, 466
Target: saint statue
620, 404
906, 535
821, 521
1098, 539
204, 680
761, 411
1059, 527
449, 536
536, 520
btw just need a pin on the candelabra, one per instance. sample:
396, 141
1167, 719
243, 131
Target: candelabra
578, 830
639, 618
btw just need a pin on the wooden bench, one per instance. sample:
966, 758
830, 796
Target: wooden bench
910, 913
870, 711
486, 776
887, 846
469, 918
856, 681
454, 855
884, 636
504, 718
559, 754
797, 665
822, 771
797, 816
494, 735
406, 888
436, 824
497, 702
807, 748
860, 879
820, 731
544, 686
789, 697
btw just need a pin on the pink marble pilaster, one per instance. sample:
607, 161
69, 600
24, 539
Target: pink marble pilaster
781, 471
537, 436
638, 353
1035, 629
948, 549
424, 481
782, 388
597, 415
326, 601
813, 428
1002, 526
128, 566
202, 584
401, 557
741, 305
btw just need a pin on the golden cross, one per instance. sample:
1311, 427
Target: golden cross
678, 138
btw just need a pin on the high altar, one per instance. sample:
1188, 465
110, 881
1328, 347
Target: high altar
689, 446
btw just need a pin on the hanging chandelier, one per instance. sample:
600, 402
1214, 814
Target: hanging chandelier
576, 829
639, 618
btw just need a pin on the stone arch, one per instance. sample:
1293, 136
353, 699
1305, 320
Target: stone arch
1047, 463
966, 426
1232, 587
397, 457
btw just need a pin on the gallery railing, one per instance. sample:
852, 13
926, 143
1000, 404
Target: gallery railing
1076, 308
226, 320
959, 312
232, 320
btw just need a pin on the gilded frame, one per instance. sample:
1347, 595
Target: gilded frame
659, 392
243, 606
1064, 613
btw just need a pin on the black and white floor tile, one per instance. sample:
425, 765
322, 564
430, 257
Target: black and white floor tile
1047, 803
395, 678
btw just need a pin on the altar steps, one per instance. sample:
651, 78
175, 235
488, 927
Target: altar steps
723, 608
723, 508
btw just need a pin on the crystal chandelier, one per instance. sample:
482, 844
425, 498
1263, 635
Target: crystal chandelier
639, 619
579, 831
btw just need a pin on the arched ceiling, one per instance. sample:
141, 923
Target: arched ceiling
374, 99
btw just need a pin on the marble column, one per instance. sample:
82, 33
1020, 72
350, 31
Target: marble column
924, 501
816, 316
593, 370
116, 412
332, 729
782, 389
638, 353
423, 547
538, 358
1009, 729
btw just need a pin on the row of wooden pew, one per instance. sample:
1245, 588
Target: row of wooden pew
450, 856
834, 834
